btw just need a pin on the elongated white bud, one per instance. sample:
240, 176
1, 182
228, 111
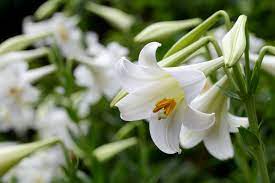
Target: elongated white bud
13, 154
116, 17
107, 151
22, 55
234, 42
161, 30
47, 9
35, 74
21, 42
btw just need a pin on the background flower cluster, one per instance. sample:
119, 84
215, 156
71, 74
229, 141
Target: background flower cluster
71, 99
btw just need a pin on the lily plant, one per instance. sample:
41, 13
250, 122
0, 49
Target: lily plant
172, 95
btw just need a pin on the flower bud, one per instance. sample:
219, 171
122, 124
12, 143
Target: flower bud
13, 154
234, 42
107, 151
116, 17
35, 74
47, 9
21, 42
161, 30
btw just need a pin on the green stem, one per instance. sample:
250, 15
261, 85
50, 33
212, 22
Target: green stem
246, 56
241, 159
255, 74
144, 166
239, 79
198, 31
228, 72
180, 56
259, 151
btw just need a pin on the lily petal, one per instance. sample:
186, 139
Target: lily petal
147, 56
189, 138
218, 142
235, 122
165, 134
140, 104
196, 120
132, 76
192, 81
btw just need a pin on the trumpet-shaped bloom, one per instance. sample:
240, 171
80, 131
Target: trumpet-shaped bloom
216, 138
54, 122
98, 75
16, 96
64, 29
161, 95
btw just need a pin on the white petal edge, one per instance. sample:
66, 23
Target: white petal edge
235, 122
147, 56
192, 81
218, 142
165, 134
132, 76
189, 138
196, 120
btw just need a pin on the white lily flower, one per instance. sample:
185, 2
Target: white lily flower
98, 75
40, 167
216, 138
234, 42
16, 96
54, 122
161, 95
64, 29
94, 47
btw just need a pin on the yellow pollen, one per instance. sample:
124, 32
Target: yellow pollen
168, 105
15, 91
63, 32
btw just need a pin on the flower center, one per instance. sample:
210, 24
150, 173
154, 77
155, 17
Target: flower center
15, 92
63, 32
165, 106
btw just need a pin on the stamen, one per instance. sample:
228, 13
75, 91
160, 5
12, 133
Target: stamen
63, 32
165, 107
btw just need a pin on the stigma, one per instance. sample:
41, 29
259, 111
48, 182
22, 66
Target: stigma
165, 107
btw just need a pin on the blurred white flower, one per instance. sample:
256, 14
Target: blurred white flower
64, 29
161, 95
217, 137
41, 167
94, 47
98, 74
54, 122
16, 96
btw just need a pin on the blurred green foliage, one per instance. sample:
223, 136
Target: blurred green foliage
145, 163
